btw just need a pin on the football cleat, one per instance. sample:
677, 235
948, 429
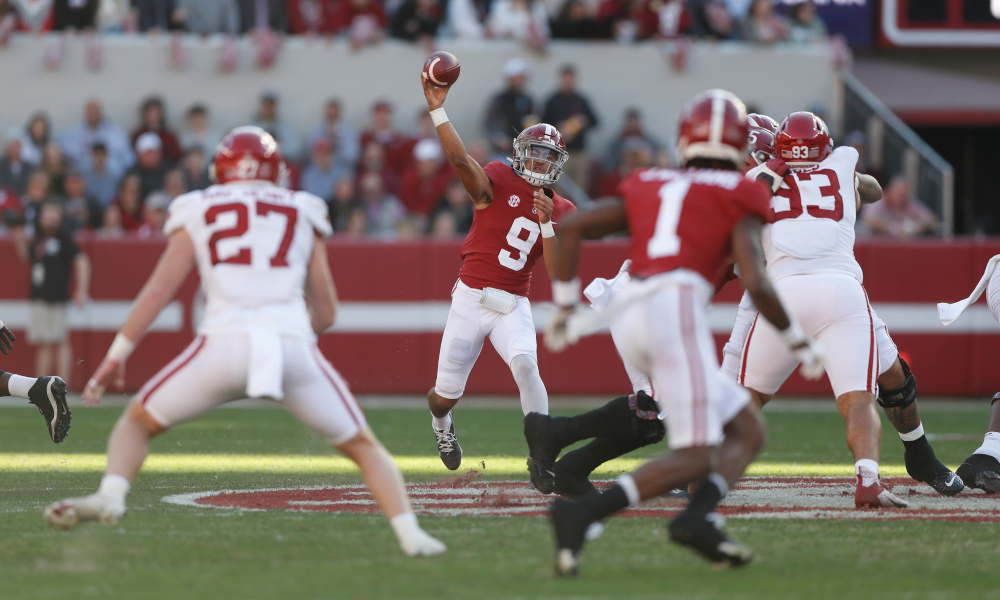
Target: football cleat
876, 495
571, 524
49, 395
423, 544
981, 471
934, 474
448, 448
569, 483
542, 452
66, 514
704, 535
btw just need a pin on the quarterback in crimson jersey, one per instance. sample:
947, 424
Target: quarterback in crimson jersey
684, 224
512, 224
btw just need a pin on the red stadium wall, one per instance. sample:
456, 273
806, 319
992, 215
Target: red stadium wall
904, 282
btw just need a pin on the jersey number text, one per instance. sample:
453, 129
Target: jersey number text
523, 246
665, 241
243, 257
795, 206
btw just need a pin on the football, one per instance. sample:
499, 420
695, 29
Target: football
441, 69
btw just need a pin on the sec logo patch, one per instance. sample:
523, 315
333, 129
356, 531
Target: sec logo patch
514, 201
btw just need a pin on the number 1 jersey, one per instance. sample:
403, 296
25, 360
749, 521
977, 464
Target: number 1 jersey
503, 244
684, 218
253, 243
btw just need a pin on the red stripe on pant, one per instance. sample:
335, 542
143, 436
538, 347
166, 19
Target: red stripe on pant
337, 388
201, 343
746, 346
873, 360
699, 424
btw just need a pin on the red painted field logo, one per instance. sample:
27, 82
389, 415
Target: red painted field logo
754, 498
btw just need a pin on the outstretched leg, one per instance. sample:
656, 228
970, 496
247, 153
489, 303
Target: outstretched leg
982, 469
864, 438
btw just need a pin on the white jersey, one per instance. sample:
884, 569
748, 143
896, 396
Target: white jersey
253, 243
813, 231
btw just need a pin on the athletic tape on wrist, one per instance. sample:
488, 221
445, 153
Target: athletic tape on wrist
547, 229
438, 117
120, 349
793, 335
566, 293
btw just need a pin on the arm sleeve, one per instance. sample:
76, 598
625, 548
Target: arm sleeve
316, 213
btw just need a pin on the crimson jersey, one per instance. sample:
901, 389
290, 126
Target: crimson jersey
504, 242
684, 218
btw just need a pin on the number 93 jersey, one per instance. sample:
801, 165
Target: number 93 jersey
684, 218
253, 243
813, 217
504, 242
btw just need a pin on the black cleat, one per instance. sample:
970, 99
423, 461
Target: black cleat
49, 395
704, 534
448, 448
981, 471
569, 483
543, 450
570, 522
932, 472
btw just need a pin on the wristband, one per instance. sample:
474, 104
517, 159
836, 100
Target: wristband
120, 349
566, 293
794, 336
438, 117
547, 229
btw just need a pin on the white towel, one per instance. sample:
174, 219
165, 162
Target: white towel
266, 368
600, 291
950, 312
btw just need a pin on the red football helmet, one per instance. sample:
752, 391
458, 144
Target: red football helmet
713, 125
803, 139
247, 153
543, 145
761, 143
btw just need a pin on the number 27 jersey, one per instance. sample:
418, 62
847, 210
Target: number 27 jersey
505, 240
253, 243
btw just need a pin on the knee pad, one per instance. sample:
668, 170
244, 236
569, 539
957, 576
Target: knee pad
523, 366
447, 387
646, 422
902, 396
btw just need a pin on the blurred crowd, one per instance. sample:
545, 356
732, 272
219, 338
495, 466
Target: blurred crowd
363, 22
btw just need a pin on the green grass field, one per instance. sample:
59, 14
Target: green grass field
161, 550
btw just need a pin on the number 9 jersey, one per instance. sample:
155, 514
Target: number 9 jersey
253, 243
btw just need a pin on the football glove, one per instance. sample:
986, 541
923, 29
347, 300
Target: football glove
773, 173
6, 339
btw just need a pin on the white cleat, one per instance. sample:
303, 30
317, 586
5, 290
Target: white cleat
67, 513
423, 544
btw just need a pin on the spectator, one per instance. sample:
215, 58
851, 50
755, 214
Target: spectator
286, 135
456, 203
357, 223
363, 21
34, 15
34, 139
54, 257
74, 14
443, 225
628, 20
373, 161
36, 194
396, 146
509, 110
311, 17
208, 16
54, 164
154, 15
571, 114
522, 20
635, 153
154, 215
423, 185
11, 210
174, 183
111, 223
762, 25
102, 184
466, 18
805, 26
150, 166
417, 20
153, 120
632, 127
674, 18
859, 141
195, 175
129, 202
425, 127
13, 170
576, 21
82, 212
383, 210
712, 19
198, 132
263, 14
344, 201
322, 174
898, 213
342, 137
116, 16
77, 142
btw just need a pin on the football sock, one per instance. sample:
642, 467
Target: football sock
442, 423
627, 484
868, 470
406, 528
605, 503
583, 461
18, 386
991, 445
916, 444
114, 488
709, 492
534, 398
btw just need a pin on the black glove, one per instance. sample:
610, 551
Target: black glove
6, 339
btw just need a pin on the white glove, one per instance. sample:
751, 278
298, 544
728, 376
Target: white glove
808, 352
556, 338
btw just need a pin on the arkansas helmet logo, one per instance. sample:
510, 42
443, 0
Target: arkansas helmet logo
514, 201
